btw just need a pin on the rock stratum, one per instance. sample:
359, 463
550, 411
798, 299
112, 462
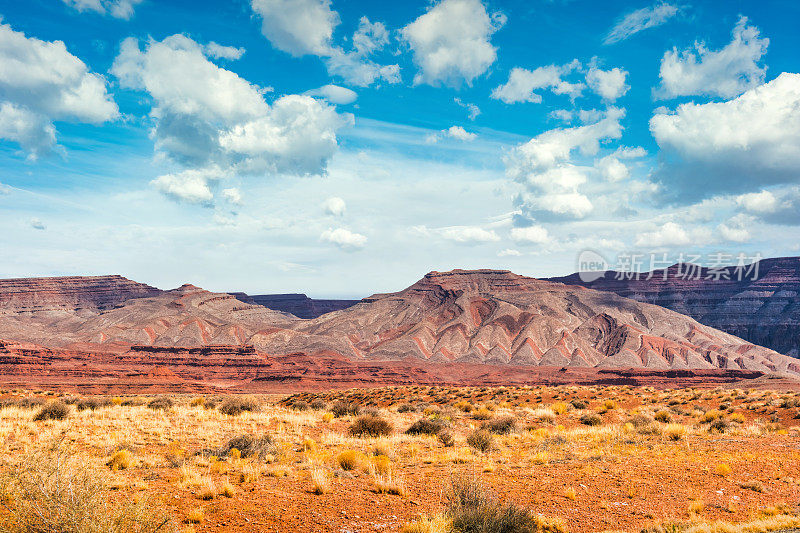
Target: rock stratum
299, 305
459, 327
761, 306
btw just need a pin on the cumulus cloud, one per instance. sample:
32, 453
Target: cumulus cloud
344, 239
454, 132
191, 186
354, 66
334, 206
451, 42
218, 51
641, 19
468, 234
522, 83
612, 168
334, 94
208, 117
669, 234
472, 109
41, 82
737, 228
545, 168
299, 27
781, 206
727, 72
37, 224
737, 146
608, 84
531, 234
232, 195
121, 9
509, 252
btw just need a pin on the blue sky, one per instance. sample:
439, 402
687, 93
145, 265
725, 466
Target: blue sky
341, 148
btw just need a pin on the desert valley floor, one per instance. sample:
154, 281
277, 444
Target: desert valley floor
581, 459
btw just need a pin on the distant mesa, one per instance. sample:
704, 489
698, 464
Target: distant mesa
475, 326
299, 305
763, 311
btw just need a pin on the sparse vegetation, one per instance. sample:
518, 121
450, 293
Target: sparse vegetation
53, 410
370, 426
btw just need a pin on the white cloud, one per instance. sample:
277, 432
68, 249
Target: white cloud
612, 169
530, 234
736, 229
41, 82
454, 132
728, 72
555, 146
457, 132
468, 234
37, 224
298, 27
335, 206
669, 234
781, 206
370, 37
641, 19
334, 94
758, 202
472, 109
32, 132
190, 186
509, 252
608, 84
344, 239
450, 42
121, 9
357, 70
551, 180
522, 83
218, 51
737, 146
206, 116
232, 195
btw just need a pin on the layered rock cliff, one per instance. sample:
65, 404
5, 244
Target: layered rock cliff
22, 295
763, 307
299, 305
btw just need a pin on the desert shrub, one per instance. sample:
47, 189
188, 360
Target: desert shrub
318, 404
28, 403
472, 510
91, 403
591, 419
120, 460
55, 490
500, 426
238, 405
370, 426
640, 420
481, 440
426, 426
446, 438
248, 446
132, 402
482, 413
340, 409
720, 425
350, 459
579, 404
300, 405
162, 403
371, 411
53, 410
406, 408
664, 417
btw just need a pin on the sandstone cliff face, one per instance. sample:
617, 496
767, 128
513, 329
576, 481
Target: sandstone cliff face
497, 317
299, 305
23, 295
479, 317
763, 311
